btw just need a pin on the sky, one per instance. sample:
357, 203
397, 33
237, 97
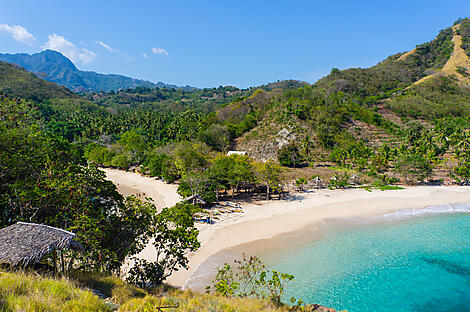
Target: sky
211, 43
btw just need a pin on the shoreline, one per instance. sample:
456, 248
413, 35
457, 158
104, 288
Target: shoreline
268, 219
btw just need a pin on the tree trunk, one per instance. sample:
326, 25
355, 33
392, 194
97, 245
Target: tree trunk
62, 263
267, 192
54, 259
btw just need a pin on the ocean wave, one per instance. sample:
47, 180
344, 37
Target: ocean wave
430, 210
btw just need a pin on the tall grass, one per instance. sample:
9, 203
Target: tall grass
188, 301
30, 293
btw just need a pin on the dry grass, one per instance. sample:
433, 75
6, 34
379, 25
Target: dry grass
28, 293
457, 59
188, 301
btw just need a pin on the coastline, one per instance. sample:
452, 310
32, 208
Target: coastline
268, 219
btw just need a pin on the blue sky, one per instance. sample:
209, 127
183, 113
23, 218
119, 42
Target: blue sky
211, 43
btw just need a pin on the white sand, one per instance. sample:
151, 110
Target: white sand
130, 183
271, 218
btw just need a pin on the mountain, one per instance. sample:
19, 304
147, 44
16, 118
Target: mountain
55, 67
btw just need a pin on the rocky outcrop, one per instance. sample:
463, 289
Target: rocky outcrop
319, 308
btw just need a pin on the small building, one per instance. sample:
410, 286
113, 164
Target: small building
242, 153
24, 244
354, 179
317, 183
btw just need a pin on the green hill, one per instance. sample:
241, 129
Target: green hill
348, 116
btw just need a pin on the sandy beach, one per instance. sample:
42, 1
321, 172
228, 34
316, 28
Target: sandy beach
267, 219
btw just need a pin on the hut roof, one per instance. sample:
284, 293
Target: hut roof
196, 198
27, 243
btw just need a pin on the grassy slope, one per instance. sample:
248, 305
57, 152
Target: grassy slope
28, 293
23, 292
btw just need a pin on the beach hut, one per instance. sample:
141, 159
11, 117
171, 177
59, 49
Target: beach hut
24, 244
354, 179
195, 199
317, 183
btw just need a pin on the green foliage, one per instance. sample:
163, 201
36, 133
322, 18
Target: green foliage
464, 31
269, 174
339, 181
250, 278
44, 179
301, 182
174, 236
101, 155
414, 167
434, 98
156, 164
216, 136
190, 157
289, 155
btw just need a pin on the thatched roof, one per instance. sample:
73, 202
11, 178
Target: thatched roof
23, 244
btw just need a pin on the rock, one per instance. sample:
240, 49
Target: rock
319, 308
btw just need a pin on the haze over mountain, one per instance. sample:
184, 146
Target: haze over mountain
55, 67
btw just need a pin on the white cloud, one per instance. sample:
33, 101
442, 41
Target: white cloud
67, 48
159, 51
107, 47
19, 33
145, 55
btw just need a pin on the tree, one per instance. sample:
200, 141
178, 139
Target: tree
216, 136
289, 155
250, 278
269, 174
413, 167
197, 183
45, 179
174, 236
190, 156
306, 148
156, 163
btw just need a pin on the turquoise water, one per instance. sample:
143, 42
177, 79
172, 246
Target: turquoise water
401, 262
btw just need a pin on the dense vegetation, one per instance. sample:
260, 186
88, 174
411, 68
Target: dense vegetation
464, 31
45, 179
381, 80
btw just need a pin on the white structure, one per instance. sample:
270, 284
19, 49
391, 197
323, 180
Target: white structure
243, 153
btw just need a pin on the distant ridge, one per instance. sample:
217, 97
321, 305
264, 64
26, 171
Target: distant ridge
55, 67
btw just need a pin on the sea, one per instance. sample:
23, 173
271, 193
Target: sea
409, 260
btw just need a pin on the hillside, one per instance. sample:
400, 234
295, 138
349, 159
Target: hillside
351, 115
54, 67
28, 293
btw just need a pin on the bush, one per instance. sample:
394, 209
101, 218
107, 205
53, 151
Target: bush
413, 167
289, 155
